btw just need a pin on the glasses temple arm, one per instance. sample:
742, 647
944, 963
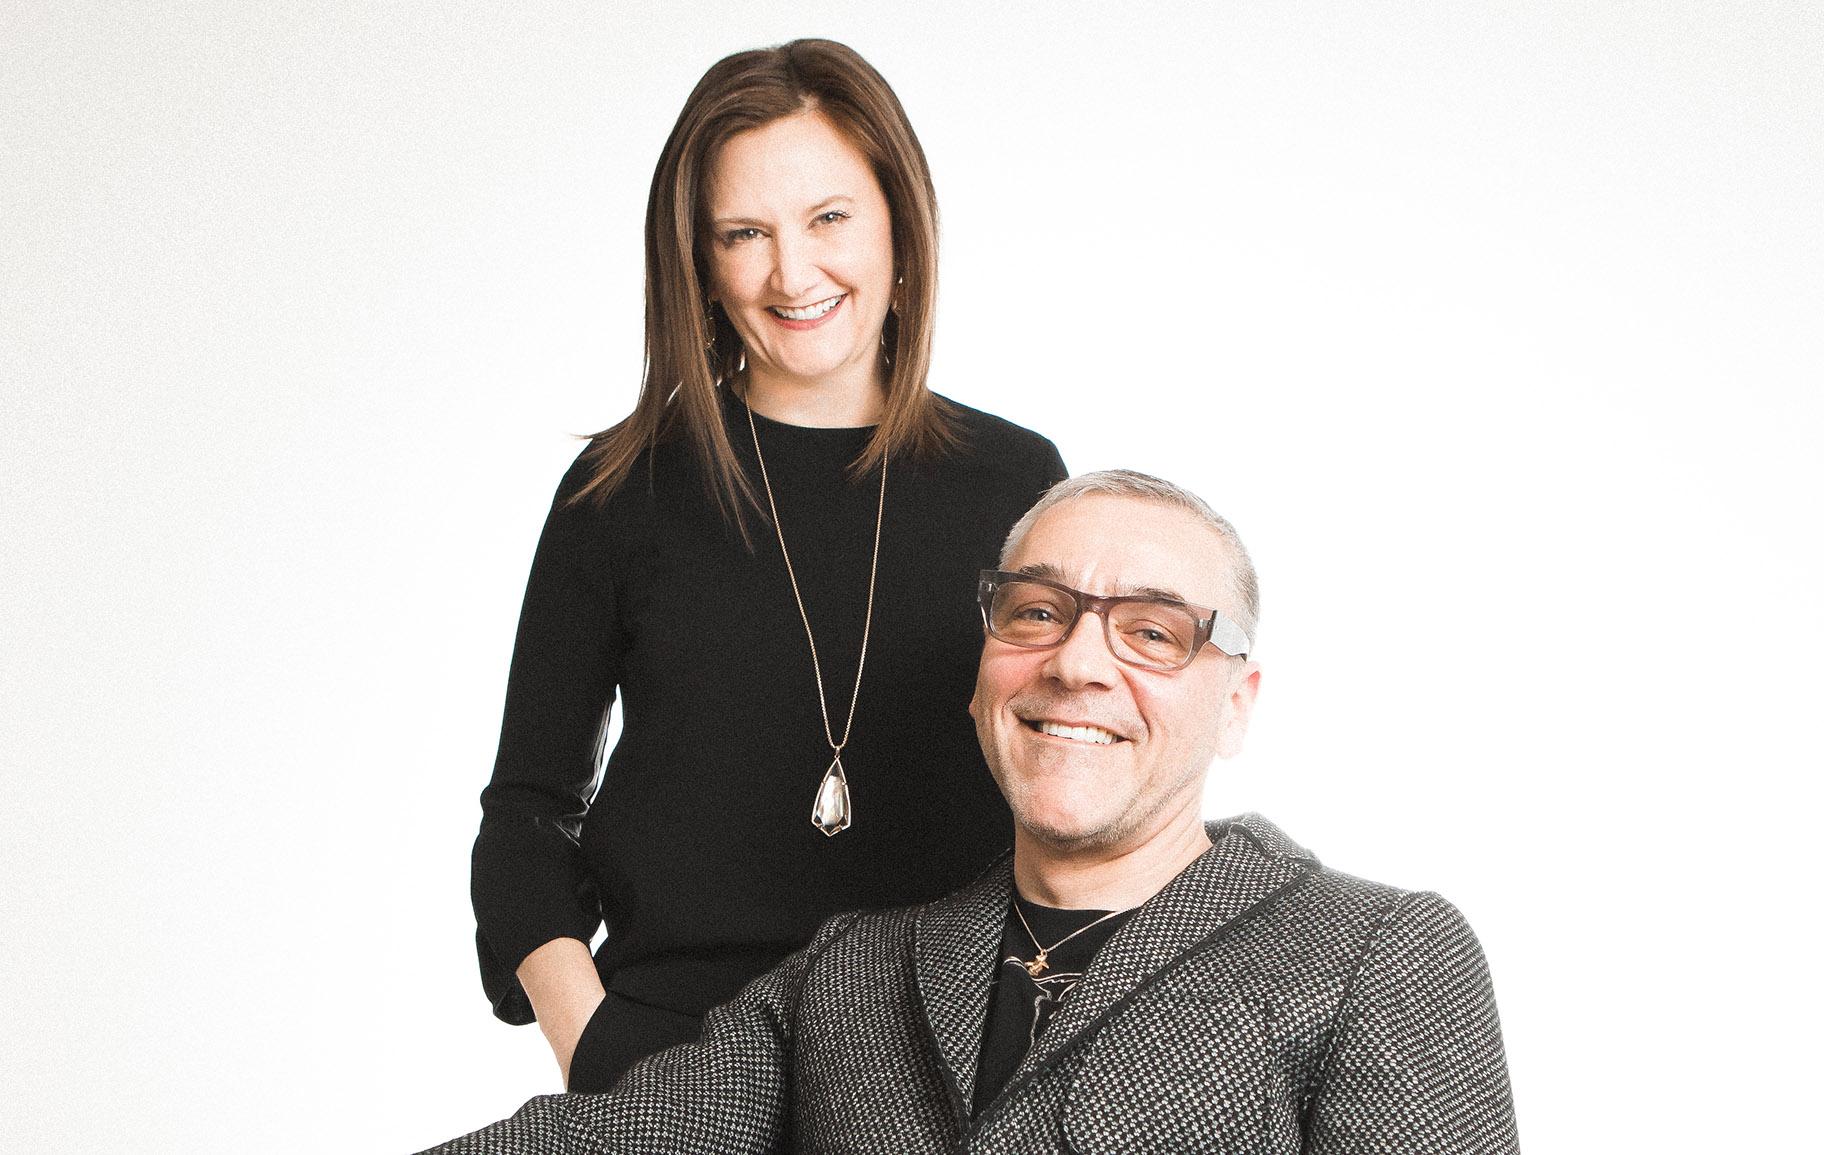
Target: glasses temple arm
1229, 637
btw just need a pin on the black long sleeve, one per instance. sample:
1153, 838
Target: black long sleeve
530, 882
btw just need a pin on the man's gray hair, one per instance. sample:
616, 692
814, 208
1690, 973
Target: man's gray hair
1128, 483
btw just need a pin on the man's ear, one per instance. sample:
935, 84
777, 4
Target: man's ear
1237, 709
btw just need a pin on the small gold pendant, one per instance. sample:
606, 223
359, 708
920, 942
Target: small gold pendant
1037, 965
831, 813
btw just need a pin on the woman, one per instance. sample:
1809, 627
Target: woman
772, 562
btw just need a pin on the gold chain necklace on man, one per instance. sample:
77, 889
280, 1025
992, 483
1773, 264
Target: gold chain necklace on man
1037, 966
830, 811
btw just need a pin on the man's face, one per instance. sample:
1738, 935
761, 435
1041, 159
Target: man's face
1075, 789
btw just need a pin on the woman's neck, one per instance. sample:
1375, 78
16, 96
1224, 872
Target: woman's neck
821, 404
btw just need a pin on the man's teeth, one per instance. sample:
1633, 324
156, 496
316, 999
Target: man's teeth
809, 312
1094, 734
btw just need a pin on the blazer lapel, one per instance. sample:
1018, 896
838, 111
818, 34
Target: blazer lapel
1250, 861
953, 950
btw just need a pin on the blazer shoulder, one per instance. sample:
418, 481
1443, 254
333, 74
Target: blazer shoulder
1346, 891
869, 924
1411, 912
1423, 922
1371, 930
1332, 920
858, 943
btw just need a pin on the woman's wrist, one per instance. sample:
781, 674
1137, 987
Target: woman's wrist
561, 981
563, 1037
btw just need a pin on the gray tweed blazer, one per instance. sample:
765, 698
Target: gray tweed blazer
1259, 1003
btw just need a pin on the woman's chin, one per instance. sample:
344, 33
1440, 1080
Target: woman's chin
811, 369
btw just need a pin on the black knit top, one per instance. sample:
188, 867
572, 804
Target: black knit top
697, 847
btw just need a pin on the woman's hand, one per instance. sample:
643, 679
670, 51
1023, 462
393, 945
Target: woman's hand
565, 990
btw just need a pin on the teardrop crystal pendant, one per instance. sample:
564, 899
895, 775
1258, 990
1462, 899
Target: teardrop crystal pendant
831, 813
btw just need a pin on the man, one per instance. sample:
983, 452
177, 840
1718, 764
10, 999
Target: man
1132, 979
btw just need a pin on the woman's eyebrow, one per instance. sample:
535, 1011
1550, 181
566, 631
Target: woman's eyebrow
821, 206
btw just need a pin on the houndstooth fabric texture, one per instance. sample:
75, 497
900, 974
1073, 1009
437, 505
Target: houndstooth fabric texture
1260, 1003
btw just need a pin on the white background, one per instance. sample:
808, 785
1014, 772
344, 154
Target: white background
1495, 328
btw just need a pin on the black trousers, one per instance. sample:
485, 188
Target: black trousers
620, 1034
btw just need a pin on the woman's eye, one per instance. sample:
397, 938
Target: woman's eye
1034, 614
832, 217
736, 236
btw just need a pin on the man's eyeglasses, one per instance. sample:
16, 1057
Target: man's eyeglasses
1153, 633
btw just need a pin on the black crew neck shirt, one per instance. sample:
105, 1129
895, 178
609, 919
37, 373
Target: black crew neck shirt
693, 841
1020, 1004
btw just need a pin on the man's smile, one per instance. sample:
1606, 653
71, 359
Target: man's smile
1073, 731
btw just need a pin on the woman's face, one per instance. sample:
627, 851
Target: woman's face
801, 253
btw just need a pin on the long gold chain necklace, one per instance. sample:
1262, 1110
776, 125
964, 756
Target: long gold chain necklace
1037, 966
831, 811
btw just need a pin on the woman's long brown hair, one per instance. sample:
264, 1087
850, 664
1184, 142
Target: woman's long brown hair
690, 350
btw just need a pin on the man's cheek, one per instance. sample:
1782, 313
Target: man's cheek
981, 702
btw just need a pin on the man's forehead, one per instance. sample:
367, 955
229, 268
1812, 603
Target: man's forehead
1108, 544
1050, 572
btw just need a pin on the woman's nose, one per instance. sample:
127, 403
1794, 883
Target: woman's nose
794, 271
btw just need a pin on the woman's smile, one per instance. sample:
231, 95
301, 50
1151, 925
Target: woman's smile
809, 316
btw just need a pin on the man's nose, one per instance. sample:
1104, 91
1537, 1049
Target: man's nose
1083, 657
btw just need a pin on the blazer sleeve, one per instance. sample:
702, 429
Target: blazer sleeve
728, 1092
1416, 1065
528, 881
